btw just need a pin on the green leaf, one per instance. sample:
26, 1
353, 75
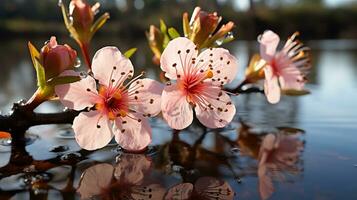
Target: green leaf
64, 13
163, 27
59, 80
292, 92
173, 33
99, 23
33, 52
130, 52
40, 71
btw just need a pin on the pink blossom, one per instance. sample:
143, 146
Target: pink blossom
285, 69
198, 84
117, 109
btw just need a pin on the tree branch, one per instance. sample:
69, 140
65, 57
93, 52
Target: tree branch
22, 118
245, 88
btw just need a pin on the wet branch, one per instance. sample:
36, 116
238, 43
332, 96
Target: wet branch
22, 118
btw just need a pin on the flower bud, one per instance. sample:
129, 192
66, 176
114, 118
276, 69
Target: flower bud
82, 15
203, 24
56, 58
203, 27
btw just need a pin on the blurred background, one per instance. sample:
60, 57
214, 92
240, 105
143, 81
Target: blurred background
316, 19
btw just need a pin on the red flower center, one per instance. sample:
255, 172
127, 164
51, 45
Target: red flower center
193, 85
113, 103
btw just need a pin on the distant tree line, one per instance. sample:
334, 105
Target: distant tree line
310, 17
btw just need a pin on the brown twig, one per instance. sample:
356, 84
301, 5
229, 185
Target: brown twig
245, 88
22, 118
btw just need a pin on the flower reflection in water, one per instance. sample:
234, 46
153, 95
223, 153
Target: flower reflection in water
190, 166
124, 180
279, 154
204, 188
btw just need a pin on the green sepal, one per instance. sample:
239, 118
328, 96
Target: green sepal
40, 70
99, 23
60, 80
163, 29
67, 20
173, 33
130, 52
228, 39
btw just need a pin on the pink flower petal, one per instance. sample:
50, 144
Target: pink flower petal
175, 109
181, 191
268, 43
291, 78
208, 187
271, 85
110, 66
92, 131
53, 42
134, 132
223, 65
222, 112
145, 96
94, 179
177, 57
78, 95
132, 168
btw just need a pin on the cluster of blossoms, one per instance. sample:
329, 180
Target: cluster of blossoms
119, 109
114, 104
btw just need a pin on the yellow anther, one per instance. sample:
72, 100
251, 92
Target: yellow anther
209, 74
111, 116
122, 113
102, 90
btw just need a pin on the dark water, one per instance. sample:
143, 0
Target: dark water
315, 154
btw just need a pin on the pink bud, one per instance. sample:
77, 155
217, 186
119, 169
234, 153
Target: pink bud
203, 25
57, 58
82, 15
